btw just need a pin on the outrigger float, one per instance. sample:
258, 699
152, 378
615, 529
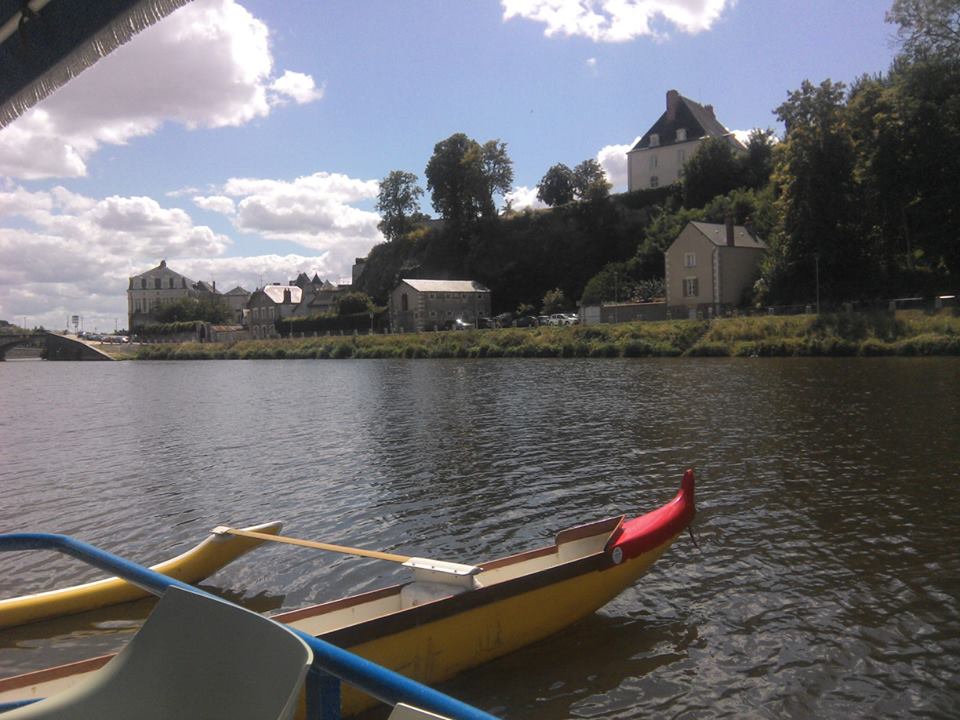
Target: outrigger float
196, 564
453, 617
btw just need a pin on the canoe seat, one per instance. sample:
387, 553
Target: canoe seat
195, 658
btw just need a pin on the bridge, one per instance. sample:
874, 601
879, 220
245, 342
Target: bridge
55, 347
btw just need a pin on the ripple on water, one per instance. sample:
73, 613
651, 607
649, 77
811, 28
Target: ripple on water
822, 586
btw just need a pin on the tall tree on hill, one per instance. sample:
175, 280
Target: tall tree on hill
713, 170
556, 186
815, 176
928, 27
590, 181
398, 203
463, 177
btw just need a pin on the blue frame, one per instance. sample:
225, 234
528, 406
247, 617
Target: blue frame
331, 664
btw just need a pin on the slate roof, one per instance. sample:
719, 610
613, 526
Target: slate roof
717, 234
446, 285
275, 293
238, 291
698, 120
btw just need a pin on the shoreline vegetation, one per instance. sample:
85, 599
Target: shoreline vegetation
903, 333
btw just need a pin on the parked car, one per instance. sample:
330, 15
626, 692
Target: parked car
526, 321
484, 323
456, 324
572, 319
503, 320
558, 319
543, 319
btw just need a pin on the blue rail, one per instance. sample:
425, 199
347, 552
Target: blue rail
331, 663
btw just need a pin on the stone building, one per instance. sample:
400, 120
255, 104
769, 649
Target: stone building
158, 286
417, 305
659, 156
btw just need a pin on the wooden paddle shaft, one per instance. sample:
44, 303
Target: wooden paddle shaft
376, 554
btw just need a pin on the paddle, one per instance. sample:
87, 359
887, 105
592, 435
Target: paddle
425, 565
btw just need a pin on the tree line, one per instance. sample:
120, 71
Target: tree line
858, 198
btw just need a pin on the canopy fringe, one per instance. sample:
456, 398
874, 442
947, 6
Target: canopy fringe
120, 30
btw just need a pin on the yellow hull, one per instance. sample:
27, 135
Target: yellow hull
439, 650
192, 566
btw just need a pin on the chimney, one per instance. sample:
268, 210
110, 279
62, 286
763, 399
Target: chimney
163, 263
673, 102
709, 109
286, 296
214, 285
728, 221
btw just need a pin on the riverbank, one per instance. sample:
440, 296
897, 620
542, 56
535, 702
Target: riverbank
906, 333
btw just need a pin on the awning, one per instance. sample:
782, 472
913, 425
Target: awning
46, 43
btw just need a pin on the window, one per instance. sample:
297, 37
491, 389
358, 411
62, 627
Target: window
654, 181
138, 306
157, 282
404, 303
654, 140
171, 283
143, 283
681, 157
691, 287
681, 134
183, 282
433, 313
653, 162
689, 259
256, 313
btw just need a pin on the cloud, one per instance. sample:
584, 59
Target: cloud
207, 65
613, 160
216, 203
616, 20
524, 197
63, 253
316, 211
298, 87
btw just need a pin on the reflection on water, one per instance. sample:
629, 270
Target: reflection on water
825, 584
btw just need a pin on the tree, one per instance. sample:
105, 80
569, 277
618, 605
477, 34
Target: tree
464, 176
354, 302
713, 170
556, 186
590, 181
757, 164
928, 27
554, 301
398, 203
206, 308
814, 172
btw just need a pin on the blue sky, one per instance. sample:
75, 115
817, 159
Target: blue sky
242, 141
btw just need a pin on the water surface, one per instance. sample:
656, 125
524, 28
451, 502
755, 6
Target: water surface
826, 584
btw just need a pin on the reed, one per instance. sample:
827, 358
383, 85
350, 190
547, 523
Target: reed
908, 333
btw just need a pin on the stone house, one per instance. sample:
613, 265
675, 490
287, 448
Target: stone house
417, 305
659, 156
158, 286
236, 300
269, 304
318, 296
709, 266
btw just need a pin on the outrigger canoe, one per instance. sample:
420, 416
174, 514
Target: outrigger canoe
215, 552
433, 628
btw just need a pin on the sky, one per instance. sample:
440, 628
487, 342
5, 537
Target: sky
243, 141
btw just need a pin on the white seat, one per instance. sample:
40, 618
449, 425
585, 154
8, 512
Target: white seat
196, 657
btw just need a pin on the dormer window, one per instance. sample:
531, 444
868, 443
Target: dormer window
681, 134
654, 140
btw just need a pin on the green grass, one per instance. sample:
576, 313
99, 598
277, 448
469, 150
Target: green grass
907, 333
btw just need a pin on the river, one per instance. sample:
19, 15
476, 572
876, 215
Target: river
826, 582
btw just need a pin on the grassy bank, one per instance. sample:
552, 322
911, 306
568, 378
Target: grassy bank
908, 333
